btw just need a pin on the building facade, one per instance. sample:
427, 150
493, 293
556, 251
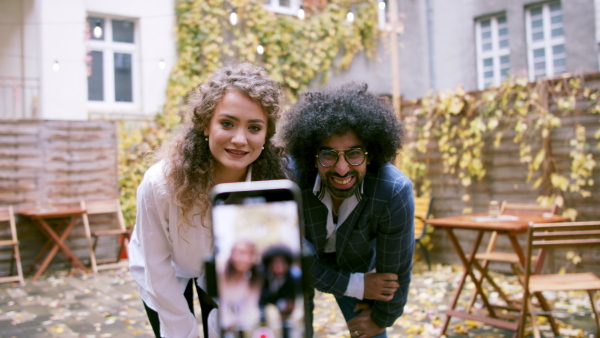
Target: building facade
478, 43
82, 59
78, 59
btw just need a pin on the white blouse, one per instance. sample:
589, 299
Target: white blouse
163, 258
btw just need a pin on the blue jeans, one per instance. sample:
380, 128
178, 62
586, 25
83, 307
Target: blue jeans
347, 305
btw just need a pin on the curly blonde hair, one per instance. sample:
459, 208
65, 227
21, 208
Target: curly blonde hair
190, 165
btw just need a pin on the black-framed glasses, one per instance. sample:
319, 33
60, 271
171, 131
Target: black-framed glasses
329, 157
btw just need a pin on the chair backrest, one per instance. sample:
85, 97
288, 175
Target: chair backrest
7, 215
526, 208
546, 236
422, 212
110, 206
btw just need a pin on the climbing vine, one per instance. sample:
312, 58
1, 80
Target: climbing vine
460, 124
296, 54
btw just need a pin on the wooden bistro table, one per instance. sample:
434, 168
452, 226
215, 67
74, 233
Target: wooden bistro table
508, 225
55, 240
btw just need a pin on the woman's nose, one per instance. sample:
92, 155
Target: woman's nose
239, 137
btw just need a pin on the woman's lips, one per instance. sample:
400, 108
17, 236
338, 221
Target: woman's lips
236, 153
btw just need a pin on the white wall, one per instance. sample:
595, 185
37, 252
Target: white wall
36, 33
63, 93
156, 34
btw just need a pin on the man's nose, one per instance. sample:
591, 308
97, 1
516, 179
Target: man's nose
342, 167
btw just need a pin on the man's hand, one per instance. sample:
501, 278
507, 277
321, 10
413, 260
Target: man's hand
363, 326
380, 286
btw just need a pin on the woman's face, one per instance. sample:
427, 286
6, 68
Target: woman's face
236, 133
242, 257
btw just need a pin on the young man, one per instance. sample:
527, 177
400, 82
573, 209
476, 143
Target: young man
358, 208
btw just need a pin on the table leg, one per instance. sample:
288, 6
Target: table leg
466, 273
485, 276
59, 244
39, 255
468, 264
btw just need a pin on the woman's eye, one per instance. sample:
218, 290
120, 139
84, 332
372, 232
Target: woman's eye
227, 124
255, 128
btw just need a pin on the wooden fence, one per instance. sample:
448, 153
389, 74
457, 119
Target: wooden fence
59, 163
506, 180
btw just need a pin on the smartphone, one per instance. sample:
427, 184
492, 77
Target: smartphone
258, 265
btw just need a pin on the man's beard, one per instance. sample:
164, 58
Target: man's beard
342, 193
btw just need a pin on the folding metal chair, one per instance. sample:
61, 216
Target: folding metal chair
7, 216
111, 207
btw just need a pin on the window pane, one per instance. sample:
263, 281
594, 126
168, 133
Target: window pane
284, 3
123, 78
96, 28
503, 31
488, 62
557, 32
539, 53
96, 78
486, 35
503, 43
536, 11
539, 66
504, 60
555, 7
504, 73
501, 20
489, 74
537, 23
122, 31
538, 36
485, 23
556, 19
560, 63
558, 49
487, 46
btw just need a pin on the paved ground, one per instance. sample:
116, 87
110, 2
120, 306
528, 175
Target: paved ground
108, 305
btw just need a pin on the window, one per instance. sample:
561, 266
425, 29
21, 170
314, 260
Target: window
289, 7
493, 54
111, 69
545, 41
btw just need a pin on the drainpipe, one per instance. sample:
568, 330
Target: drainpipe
431, 44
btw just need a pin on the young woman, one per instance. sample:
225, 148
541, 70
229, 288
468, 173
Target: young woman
240, 288
227, 139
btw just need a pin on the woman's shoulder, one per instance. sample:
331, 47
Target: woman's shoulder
155, 178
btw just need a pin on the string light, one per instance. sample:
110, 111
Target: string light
233, 17
55, 66
161, 64
382, 5
350, 16
301, 13
260, 49
97, 31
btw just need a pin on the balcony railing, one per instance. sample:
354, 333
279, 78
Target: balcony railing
19, 97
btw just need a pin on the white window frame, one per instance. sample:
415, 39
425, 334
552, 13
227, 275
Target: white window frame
109, 48
496, 53
273, 6
547, 43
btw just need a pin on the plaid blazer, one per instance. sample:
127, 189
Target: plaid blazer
378, 234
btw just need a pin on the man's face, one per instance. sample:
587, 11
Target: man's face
342, 179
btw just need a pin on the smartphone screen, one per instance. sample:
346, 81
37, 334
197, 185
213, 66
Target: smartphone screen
257, 259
